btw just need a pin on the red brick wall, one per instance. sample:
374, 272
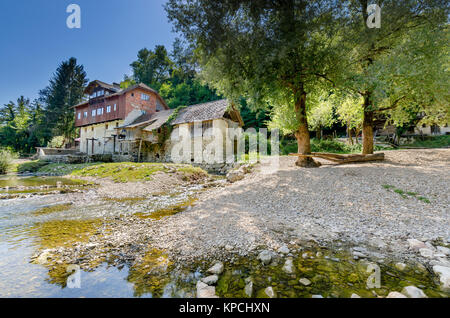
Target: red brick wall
125, 104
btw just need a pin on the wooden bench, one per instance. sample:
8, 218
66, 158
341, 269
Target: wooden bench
342, 159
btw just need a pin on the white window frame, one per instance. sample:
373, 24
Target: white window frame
94, 112
108, 108
85, 114
79, 116
115, 107
145, 97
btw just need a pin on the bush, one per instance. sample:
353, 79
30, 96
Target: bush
31, 166
6, 160
56, 142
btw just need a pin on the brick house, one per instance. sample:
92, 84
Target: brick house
109, 106
129, 122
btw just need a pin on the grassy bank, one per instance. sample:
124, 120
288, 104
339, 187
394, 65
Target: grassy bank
118, 172
131, 172
431, 142
330, 146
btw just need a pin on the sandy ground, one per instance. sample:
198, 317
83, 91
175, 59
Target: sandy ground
346, 203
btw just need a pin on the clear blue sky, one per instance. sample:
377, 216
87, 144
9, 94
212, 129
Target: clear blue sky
35, 39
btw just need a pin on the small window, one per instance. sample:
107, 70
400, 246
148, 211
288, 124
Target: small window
207, 128
100, 111
115, 107
132, 94
108, 109
79, 116
145, 97
94, 113
85, 114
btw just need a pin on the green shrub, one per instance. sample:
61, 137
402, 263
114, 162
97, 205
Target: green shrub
31, 166
6, 160
56, 142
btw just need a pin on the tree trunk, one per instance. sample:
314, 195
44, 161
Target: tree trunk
302, 134
349, 133
357, 131
319, 133
368, 126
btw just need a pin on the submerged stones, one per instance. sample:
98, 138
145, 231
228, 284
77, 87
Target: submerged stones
205, 291
269, 292
265, 257
395, 295
210, 280
413, 292
284, 250
305, 281
288, 266
400, 266
248, 290
217, 268
444, 275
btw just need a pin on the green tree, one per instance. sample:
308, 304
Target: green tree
270, 52
152, 67
65, 89
384, 63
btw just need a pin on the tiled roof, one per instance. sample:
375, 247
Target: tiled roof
158, 119
202, 112
119, 91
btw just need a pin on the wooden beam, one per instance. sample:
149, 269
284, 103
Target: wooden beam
341, 159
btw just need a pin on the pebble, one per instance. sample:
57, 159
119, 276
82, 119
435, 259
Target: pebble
288, 266
265, 257
205, 291
217, 268
413, 292
210, 280
249, 289
396, 295
444, 276
270, 292
426, 252
284, 250
416, 244
305, 281
400, 266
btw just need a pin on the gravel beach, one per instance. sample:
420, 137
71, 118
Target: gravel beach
357, 204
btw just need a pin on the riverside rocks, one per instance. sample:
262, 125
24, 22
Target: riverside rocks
205, 291
413, 292
288, 266
396, 295
444, 275
217, 268
210, 280
265, 257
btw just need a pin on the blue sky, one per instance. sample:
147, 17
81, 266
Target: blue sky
35, 39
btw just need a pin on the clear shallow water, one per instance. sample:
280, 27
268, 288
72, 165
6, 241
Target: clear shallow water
17, 181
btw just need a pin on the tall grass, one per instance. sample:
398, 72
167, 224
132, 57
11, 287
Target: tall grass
6, 160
